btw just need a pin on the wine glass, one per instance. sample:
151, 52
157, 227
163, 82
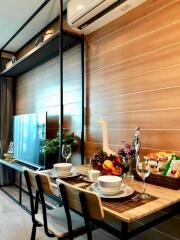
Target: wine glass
143, 169
66, 151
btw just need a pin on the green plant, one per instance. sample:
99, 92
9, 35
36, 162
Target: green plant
51, 146
70, 139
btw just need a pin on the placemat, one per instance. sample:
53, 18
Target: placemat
76, 180
119, 205
124, 204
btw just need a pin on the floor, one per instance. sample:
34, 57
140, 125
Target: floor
15, 223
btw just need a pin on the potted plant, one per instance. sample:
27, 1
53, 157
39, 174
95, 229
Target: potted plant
50, 147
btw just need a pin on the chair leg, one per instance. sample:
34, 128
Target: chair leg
85, 215
124, 229
33, 233
89, 234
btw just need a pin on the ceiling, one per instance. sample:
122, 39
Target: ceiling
14, 13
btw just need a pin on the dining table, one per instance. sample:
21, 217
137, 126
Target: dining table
125, 211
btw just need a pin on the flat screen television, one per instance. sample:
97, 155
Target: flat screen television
29, 133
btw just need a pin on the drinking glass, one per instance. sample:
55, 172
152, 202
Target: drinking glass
66, 151
143, 169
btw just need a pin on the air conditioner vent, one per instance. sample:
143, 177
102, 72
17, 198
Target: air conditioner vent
89, 15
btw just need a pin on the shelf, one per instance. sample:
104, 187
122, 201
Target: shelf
41, 54
18, 166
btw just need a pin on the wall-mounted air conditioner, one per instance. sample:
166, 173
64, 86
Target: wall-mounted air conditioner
89, 15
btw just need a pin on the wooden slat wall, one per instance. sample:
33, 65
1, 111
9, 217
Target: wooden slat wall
72, 94
39, 90
133, 74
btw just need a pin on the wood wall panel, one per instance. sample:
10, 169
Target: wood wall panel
146, 8
141, 28
39, 90
73, 96
152, 42
92, 148
157, 79
167, 98
72, 109
154, 139
142, 63
154, 119
133, 78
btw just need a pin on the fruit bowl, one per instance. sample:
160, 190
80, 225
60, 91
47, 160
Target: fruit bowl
107, 164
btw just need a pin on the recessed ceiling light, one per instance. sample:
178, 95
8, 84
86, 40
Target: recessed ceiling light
80, 7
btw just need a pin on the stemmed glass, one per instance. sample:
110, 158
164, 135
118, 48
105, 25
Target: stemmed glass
143, 169
66, 151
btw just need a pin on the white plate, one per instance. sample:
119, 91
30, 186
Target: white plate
53, 174
125, 192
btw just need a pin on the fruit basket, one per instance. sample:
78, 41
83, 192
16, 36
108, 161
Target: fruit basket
108, 164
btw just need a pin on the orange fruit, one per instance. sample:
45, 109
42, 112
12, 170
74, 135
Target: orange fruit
107, 165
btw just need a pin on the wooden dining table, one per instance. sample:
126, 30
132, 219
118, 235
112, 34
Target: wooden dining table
126, 211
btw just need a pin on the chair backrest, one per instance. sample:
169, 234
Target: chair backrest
44, 183
44, 187
31, 185
92, 200
31, 177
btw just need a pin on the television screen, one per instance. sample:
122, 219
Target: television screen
29, 132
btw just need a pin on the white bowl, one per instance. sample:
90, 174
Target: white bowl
109, 182
63, 168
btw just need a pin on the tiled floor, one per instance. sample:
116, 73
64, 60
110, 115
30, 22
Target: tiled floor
15, 224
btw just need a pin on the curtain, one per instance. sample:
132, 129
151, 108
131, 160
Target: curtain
6, 114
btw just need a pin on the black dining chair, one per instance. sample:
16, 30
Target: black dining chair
89, 205
31, 185
54, 221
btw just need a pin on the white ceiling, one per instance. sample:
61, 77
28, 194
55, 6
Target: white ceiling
14, 13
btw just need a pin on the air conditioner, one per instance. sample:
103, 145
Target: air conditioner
89, 15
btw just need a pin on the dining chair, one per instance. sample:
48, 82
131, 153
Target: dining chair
32, 186
55, 221
89, 205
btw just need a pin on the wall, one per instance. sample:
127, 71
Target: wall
133, 72
132, 80
39, 90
